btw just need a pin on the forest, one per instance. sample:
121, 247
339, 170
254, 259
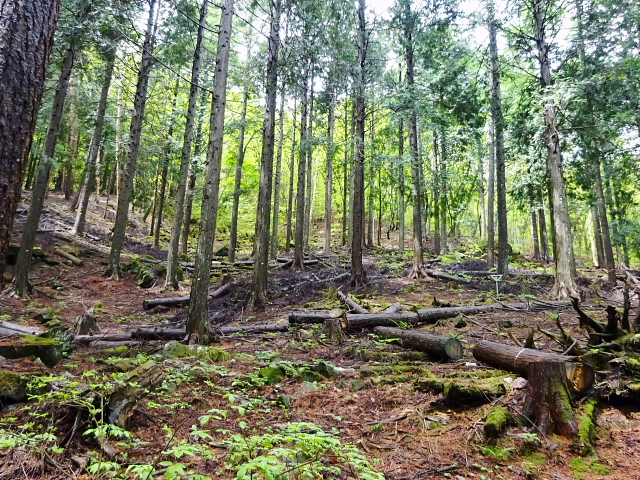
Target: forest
278, 239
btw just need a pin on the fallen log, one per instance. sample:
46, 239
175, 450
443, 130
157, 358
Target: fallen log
486, 273
351, 303
7, 329
174, 333
72, 258
184, 300
446, 276
428, 315
441, 346
517, 360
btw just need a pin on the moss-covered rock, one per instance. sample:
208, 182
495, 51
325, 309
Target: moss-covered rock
143, 272
13, 386
464, 392
46, 349
429, 385
175, 349
324, 368
384, 356
273, 374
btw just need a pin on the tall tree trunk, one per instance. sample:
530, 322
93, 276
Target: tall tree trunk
481, 189
371, 198
237, 186
298, 254
292, 168
358, 275
544, 237
609, 260
171, 280
498, 131
401, 186
308, 205
346, 178
20, 283
166, 160
135, 132
188, 199
444, 195
26, 39
331, 151
436, 194
94, 145
278, 186
261, 244
534, 222
491, 225
563, 237
197, 324
67, 173
418, 259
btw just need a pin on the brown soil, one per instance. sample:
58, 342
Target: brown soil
405, 433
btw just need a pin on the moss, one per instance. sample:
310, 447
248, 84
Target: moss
586, 428
464, 392
50, 351
479, 374
13, 386
395, 369
368, 355
430, 385
497, 421
582, 467
536, 459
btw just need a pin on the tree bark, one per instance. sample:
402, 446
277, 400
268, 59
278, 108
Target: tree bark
166, 160
94, 145
292, 167
237, 186
563, 237
298, 254
331, 150
197, 325
498, 131
401, 185
491, 226
441, 346
358, 275
20, 284
263, 227
135, 132
171, 280
26, 39
275, 233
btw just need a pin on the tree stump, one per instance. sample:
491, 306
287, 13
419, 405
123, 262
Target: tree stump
548, 403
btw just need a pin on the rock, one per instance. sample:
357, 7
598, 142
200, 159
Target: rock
273, 374
61, 333
505, 324
325, 369
358, 385
175, 349
48, 350
13, 386
86, 325
284, 401
222, 251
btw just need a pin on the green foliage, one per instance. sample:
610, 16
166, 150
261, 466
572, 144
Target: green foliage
303, 449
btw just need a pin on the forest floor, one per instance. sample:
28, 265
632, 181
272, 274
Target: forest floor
230, 416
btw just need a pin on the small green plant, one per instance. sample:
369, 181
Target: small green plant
497, 452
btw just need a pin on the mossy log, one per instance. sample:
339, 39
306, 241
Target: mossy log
587, 428
518, 360
447, 277
48, 350
498, 419
464, 391
548, 403
72, 258
134, 386
441, 346
352, 304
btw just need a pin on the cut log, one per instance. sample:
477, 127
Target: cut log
72, 258
548, 403
184, 300
7, 329
264, 328
107, 337
485, 273
351, 303
86, 325
517, 360
441, 346
395, 308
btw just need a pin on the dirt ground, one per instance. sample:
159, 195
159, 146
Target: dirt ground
404, 433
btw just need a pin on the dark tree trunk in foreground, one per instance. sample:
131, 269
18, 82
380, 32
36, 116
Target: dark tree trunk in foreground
20, 284
358, 275
401, 187
491, 226
171, 280
94, 145
498, 131
563, 237
26, 38
292, 168
197, 320
135, 132
261, 243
